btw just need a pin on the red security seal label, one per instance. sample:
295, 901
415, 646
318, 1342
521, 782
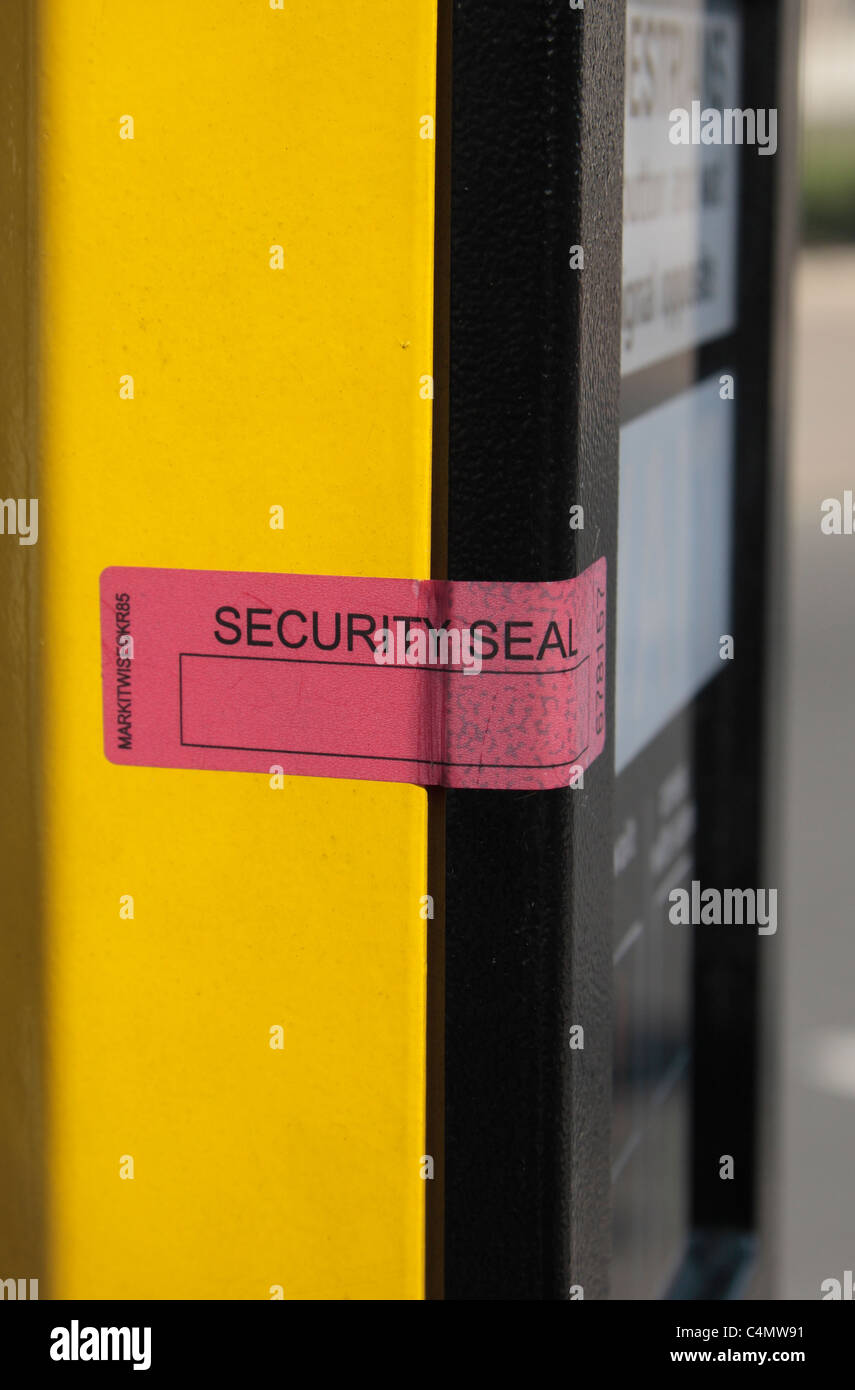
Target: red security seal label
439, 682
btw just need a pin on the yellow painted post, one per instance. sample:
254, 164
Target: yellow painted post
234, 205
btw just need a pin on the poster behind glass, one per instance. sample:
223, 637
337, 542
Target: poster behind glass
674, 592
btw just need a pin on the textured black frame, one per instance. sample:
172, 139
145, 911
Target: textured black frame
536, 168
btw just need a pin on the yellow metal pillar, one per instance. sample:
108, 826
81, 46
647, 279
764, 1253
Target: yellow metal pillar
234, 204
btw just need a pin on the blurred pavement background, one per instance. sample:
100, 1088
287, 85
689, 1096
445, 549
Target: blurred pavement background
817, 1154
817, 1031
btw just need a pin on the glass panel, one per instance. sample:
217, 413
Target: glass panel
674, 550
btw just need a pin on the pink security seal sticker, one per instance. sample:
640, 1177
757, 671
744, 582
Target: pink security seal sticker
439, 682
